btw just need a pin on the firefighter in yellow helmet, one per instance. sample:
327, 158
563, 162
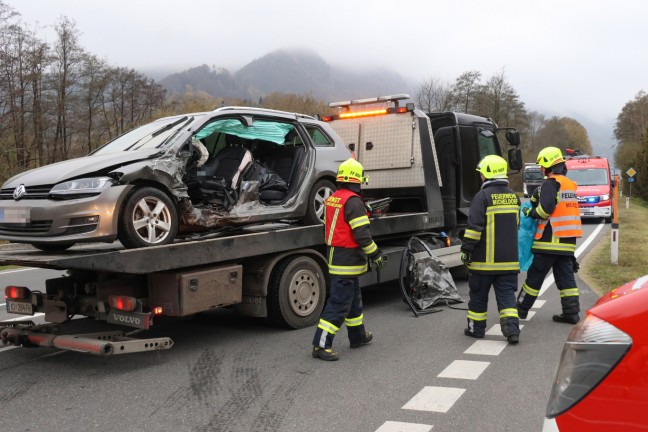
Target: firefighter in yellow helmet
490, 250
349, 244
555, 204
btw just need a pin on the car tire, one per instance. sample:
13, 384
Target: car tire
296, 292
318, 194
140, 227
46, 247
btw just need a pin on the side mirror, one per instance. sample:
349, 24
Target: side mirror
513, 137
515, 158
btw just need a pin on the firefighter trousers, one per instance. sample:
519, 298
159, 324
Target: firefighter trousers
504, 286
563, 272
344, 306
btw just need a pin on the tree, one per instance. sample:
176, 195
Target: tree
434, 95
464, 90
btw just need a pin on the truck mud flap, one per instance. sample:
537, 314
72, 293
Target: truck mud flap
100, 343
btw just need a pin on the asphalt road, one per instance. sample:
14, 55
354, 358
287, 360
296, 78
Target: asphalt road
227, 373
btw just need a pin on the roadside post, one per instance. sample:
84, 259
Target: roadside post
614, 241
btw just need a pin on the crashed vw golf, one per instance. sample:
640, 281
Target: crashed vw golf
179, 175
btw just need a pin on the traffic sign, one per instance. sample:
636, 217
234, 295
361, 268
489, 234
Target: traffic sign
631, 180
631, 172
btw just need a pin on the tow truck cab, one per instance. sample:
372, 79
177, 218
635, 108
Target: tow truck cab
425, 162
594, 184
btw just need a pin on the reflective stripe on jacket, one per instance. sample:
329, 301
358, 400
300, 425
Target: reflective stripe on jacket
491, 234
557, 231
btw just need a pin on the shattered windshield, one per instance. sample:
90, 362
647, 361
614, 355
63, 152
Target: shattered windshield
266, 130
151, 135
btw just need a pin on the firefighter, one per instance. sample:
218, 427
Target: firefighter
349, 244
555, 204
489, 250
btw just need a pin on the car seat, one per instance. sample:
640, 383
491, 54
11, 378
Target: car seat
224, 173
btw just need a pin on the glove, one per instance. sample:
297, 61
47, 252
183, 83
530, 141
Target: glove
526, 211
466, 258
575, 265
378, 260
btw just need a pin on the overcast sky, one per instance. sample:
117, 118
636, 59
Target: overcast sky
579, 58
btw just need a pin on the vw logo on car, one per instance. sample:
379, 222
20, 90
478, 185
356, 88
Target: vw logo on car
19, 192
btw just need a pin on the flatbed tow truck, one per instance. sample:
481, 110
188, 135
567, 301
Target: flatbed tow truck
276, 271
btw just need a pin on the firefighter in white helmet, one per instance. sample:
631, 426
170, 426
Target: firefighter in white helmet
349, 244
490, 250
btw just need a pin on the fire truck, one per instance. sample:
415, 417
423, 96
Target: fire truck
423, 163
594, 184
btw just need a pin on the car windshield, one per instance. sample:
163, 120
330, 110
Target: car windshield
588, 177
533, 175
151, 135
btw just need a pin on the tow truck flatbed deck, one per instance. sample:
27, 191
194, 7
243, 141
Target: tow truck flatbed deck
249, 242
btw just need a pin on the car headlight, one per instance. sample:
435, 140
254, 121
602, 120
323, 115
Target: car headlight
593, 349
93, 185
605, 197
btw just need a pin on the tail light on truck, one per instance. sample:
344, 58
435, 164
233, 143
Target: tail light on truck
17, 293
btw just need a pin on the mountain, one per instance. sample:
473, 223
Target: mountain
288, 71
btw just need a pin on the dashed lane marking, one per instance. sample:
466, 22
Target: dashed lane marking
529, 316
496, 330
464, 369
486, 347
36, 315
538, 304
437, 399
392, 426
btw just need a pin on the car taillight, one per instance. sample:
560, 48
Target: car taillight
593, 349
123, 303
17, 293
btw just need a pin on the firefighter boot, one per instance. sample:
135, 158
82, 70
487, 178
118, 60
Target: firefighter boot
326, 354
366, 338
567, 319
513, 339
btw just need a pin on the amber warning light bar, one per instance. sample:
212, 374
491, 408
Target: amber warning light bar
346, 113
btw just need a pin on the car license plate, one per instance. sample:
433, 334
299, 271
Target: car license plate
20, 307
14, 215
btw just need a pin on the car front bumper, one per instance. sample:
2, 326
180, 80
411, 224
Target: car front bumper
63, 221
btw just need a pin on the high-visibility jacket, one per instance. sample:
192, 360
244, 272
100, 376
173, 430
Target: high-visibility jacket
347, 234
560, 223
491, 234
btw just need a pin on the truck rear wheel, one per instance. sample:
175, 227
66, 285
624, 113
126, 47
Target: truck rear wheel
296, 292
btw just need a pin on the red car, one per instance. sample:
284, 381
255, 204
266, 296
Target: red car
602, 380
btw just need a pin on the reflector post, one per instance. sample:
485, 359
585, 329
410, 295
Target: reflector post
123, 303
17, 293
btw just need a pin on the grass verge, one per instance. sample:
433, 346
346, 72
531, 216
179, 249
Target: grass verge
597, 270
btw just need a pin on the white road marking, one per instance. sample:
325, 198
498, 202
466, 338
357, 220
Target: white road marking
538, 304
3, 304
496, 330
392, 426
464, 369
4, 272
529, 316
549, 280
486, 347
436, 399
7, 348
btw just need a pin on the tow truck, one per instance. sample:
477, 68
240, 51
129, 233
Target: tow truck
424, 164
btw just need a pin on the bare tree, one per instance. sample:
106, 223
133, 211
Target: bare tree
434, 95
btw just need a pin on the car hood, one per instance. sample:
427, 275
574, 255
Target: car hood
76, 168
624, 290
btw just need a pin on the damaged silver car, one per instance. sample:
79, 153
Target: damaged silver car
176, 176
